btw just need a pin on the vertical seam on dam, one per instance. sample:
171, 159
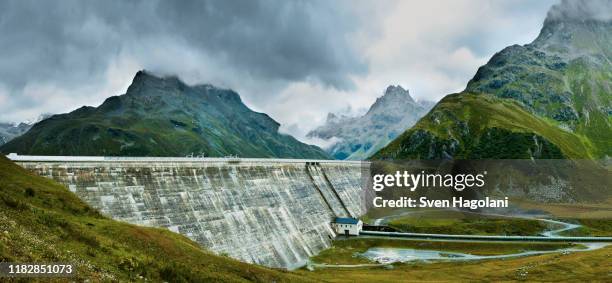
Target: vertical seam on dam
307, 168
334, 191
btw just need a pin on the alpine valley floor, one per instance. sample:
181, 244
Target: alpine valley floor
344, 262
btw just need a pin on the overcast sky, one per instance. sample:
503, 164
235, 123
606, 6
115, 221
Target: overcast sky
295, 60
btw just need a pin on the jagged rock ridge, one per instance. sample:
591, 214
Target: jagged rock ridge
360, 137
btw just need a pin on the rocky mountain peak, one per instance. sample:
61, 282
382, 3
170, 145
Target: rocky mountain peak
331, 117
394, 97
581, 11
144, 76
574, 29
148, 84
359, 137
145, 80
397, 92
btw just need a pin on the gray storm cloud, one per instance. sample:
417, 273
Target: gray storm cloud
289, 40
294, 60
71, 43
600, 10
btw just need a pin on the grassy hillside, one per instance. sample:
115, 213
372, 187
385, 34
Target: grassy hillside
473, 126
575, 94
43, 222
561, 86
565, 75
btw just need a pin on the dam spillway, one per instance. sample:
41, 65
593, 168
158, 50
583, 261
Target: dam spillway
273, 212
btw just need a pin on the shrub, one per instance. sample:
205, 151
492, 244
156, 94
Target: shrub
29, 192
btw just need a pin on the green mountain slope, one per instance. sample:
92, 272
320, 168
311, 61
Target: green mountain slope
473, 126
562, 88
163, 117
43, 222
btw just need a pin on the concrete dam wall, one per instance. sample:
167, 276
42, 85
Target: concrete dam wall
272, 212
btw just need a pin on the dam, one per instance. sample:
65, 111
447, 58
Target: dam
273, 212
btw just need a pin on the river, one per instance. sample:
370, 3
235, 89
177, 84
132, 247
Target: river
385, 256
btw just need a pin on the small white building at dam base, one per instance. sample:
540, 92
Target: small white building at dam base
347, 226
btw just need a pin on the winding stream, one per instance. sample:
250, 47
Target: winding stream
386, 256
557, 232
392, 255
553, 233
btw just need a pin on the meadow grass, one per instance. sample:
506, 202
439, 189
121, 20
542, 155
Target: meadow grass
464, 223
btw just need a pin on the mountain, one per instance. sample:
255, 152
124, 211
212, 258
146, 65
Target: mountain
42, 221
360, 137
163, 117
551, 98
9, 131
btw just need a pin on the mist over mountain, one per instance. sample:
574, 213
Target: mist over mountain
9, 131
163, 117
359, 137
547, 99
581, 10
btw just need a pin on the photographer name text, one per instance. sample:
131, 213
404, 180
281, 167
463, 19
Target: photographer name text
455, 202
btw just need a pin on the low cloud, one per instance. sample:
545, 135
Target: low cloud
599, 10
67, 45
295, 60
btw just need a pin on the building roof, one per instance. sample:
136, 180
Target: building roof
346, 220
